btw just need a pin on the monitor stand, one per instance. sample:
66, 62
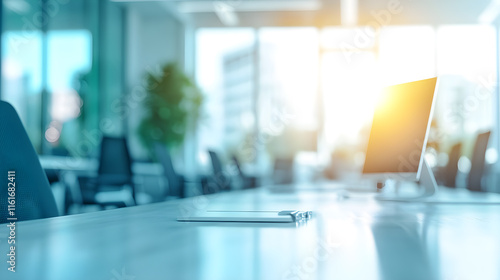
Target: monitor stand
427, 183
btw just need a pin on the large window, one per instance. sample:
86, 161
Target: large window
328, 79
260, 85
22, 78
54, 67
466, 58
226, 74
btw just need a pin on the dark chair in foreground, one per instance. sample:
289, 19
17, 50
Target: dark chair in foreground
218, 181
451, 168
249, 182
113, 184
33, 196
477, 162
176, 182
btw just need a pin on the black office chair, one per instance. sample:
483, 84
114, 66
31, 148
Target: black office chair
33, 196
113, 184
219, 181
176, 182
451, 168
249, 182
477, 162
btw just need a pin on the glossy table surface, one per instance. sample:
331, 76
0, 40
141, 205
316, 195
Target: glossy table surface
349, 238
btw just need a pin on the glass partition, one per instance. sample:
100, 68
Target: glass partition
58, 60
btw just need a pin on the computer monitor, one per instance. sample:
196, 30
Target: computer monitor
399, 133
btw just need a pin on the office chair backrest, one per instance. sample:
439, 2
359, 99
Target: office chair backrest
115, 163
249, 182
33, 196
451, 168
174, 180
477, 162
238, 166
216, 163
221, 180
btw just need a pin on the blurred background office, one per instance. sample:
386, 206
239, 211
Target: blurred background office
124, 99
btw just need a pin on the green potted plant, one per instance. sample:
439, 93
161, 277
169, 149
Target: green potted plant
172, 107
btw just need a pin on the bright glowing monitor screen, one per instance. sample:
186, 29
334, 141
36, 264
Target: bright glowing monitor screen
399, 131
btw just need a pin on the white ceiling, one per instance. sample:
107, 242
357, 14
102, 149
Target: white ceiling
207, 13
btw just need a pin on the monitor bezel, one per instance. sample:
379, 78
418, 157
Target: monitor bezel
408, 176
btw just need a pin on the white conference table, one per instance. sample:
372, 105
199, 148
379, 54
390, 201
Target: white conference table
348, 238
90, 165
